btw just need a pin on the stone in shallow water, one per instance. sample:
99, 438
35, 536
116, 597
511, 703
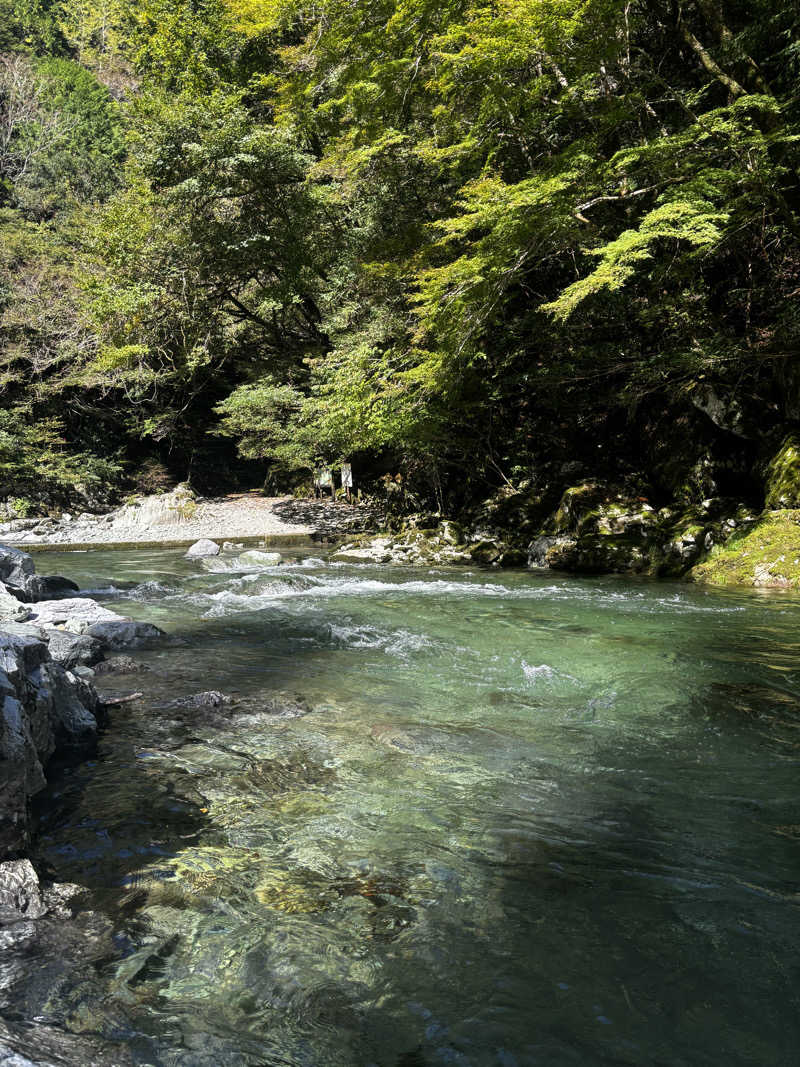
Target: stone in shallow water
125, 633
120, 665
74, 650
256, 558
20, 897
211, 698
299, 771
34, 1045
204, 547
77, 613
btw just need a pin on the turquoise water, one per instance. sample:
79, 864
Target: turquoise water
514, 820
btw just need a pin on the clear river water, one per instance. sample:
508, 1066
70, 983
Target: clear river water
453, 817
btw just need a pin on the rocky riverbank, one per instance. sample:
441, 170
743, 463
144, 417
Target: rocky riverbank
593, 529
50, 641
181, 517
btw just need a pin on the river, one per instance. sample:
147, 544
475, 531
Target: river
454, 817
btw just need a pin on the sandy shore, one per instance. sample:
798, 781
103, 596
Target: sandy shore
174, 519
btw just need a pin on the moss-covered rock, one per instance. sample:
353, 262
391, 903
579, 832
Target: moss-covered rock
761, 553
783, 476
486, 552
412, 547
597, 554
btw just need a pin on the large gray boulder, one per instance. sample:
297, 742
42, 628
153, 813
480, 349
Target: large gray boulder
74, 650
16, 567
82, 616
20, 897
115, 635
18, 577
42, 707
74, 613
49, 587
11, 608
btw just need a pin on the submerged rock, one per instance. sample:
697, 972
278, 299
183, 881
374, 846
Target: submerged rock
256, 558
203, 547
36, 1045
120, 665
212, 698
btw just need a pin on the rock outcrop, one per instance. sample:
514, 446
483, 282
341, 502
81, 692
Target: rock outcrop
18, 578
47, 701
43, 706
763, 552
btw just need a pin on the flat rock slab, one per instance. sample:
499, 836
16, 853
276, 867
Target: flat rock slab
74, 610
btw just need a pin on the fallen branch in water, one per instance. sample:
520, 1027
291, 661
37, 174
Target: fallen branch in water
121, 700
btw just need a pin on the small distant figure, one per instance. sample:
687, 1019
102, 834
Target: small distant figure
347, 481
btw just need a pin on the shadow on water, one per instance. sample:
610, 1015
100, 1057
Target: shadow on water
99, 819
669, 937
116, 822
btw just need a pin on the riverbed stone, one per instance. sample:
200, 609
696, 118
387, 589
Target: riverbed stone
211, 698
36, 1045
255, 558
74, 613
20, 897
74, 650
117, 634
120, 665
11, 608
204, 547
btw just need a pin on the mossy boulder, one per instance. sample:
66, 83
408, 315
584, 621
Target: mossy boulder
486, 552
762, 553
783, 476
576, 503
597, 509
519, 510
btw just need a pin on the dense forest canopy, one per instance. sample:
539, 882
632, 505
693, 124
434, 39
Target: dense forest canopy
476, 242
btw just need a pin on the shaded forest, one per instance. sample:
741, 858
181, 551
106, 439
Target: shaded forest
480, 244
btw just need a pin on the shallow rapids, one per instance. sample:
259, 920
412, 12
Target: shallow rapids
452, 817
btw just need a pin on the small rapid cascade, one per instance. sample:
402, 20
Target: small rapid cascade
434, 817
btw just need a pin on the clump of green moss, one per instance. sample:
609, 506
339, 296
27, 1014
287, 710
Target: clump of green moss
767, 553
783, 476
